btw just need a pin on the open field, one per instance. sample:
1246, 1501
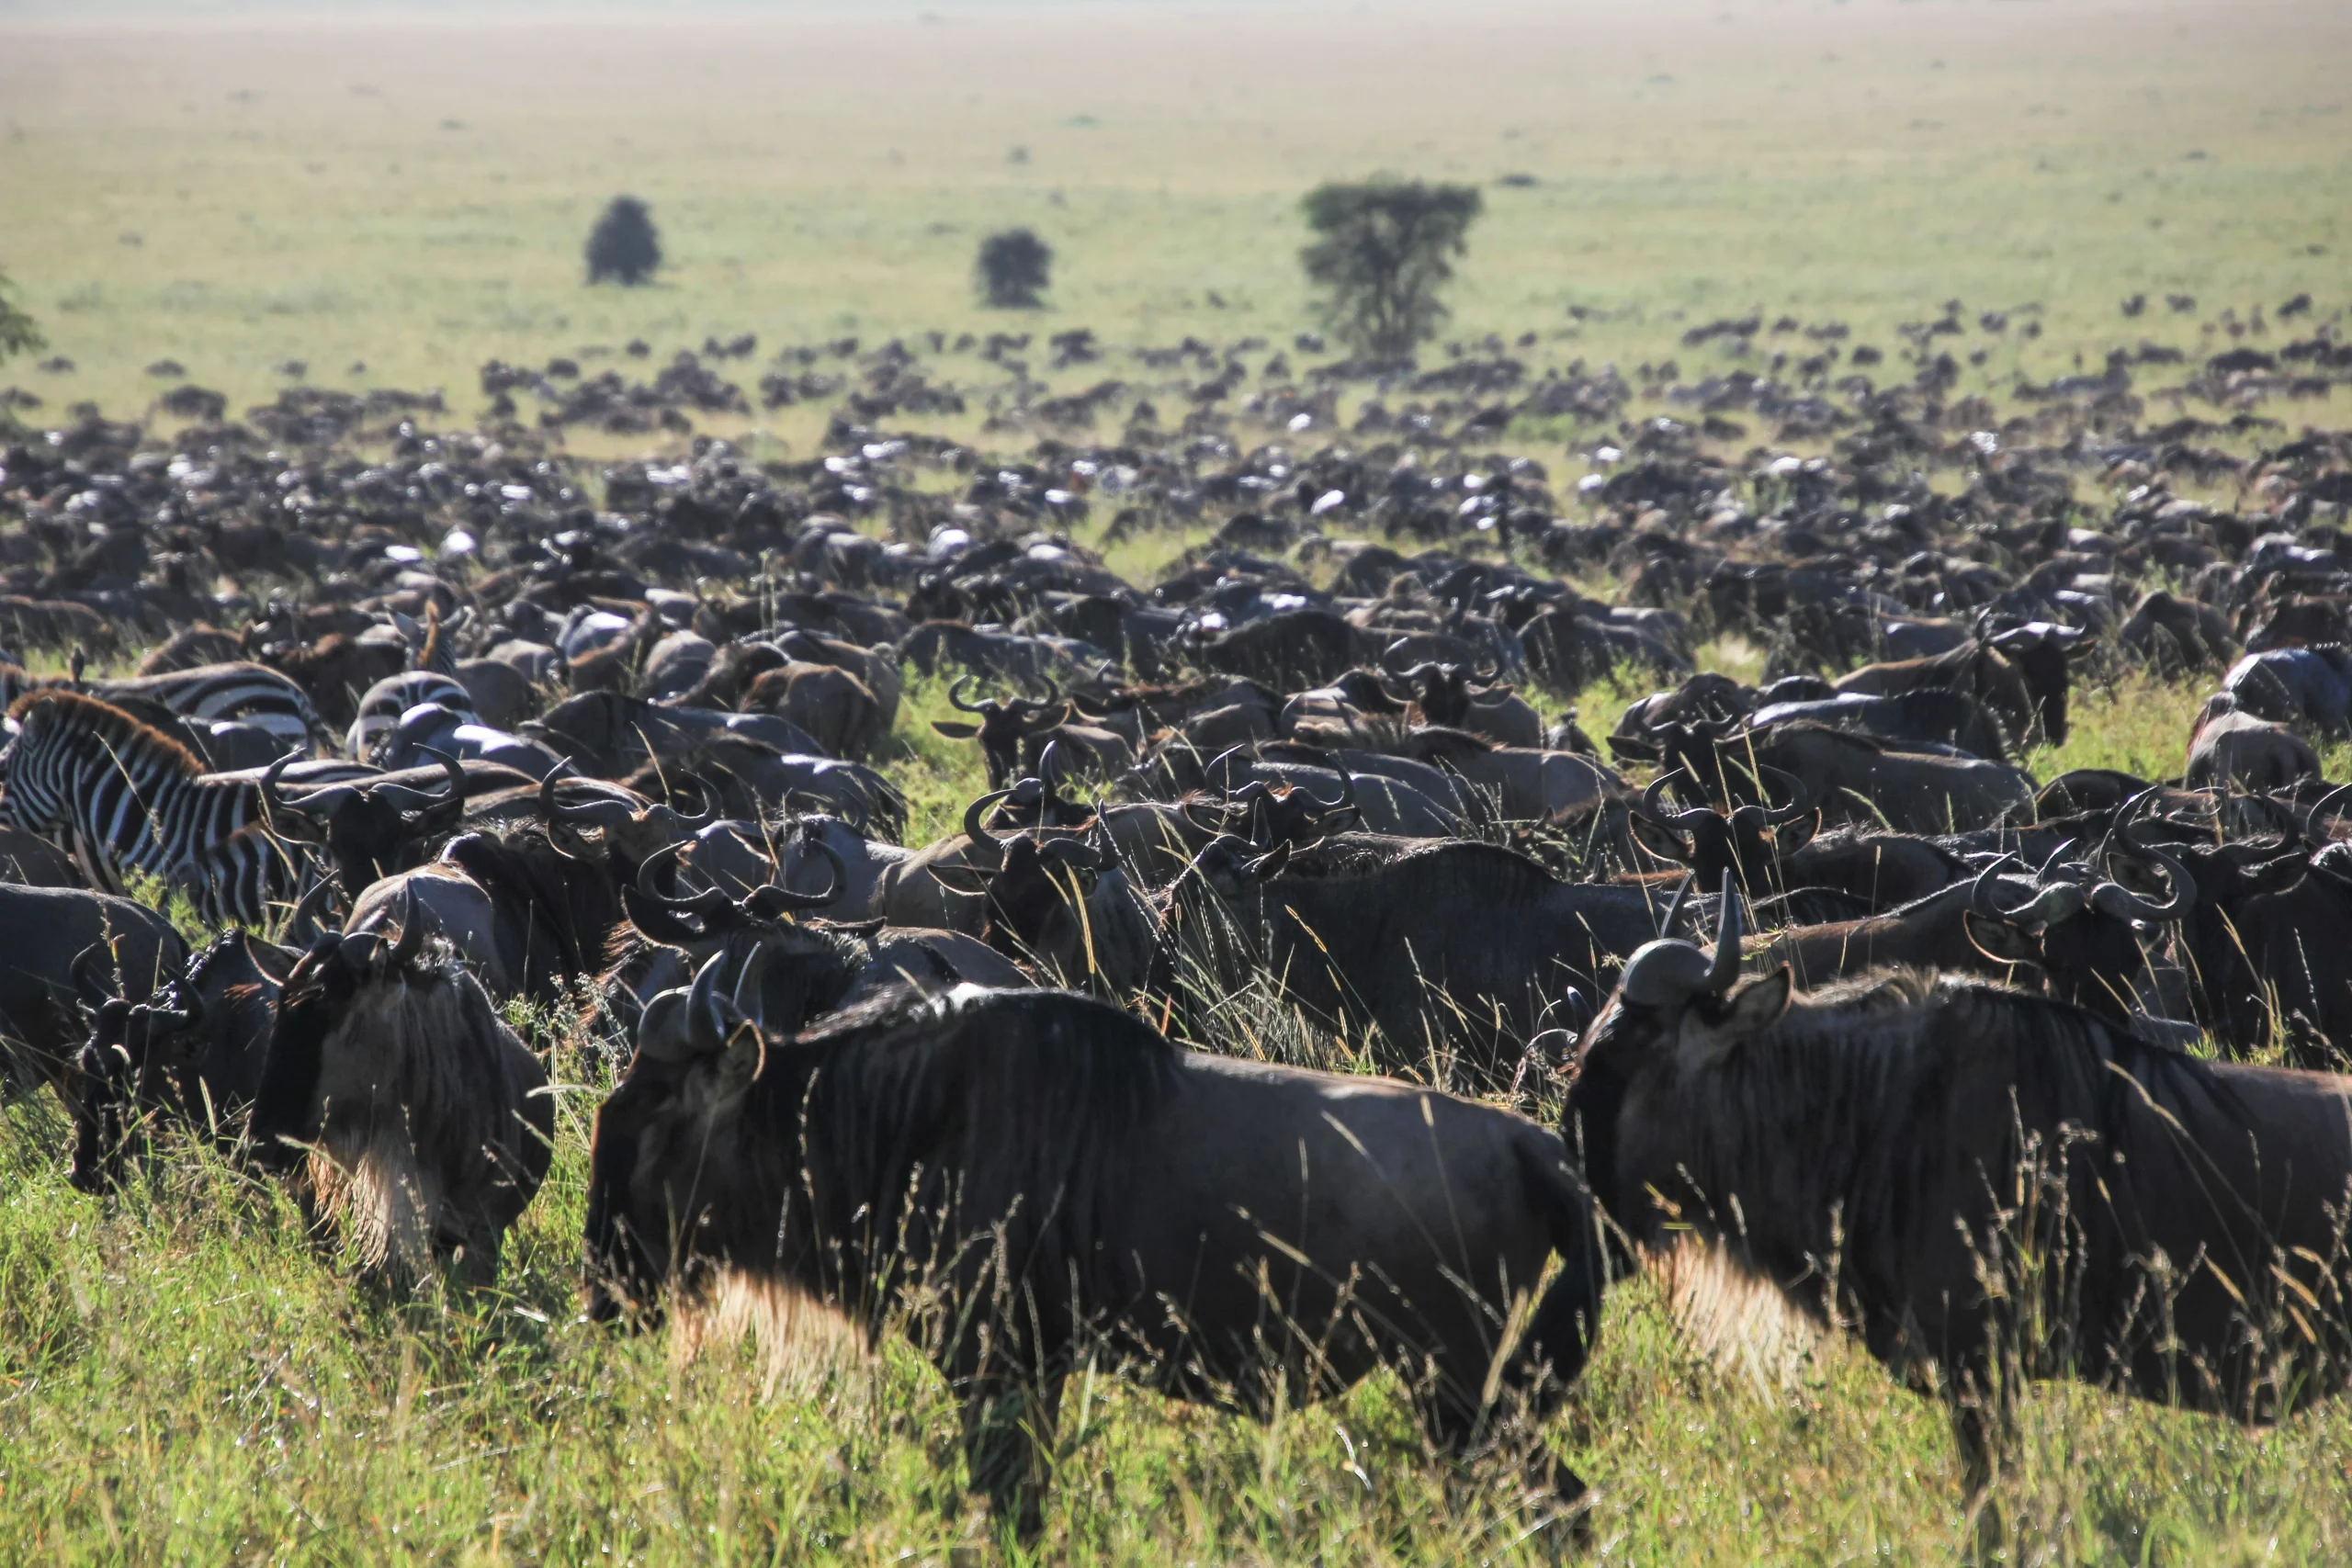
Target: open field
414, 198
187, 1376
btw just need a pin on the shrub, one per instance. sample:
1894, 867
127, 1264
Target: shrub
18, 334
1384, 248
624, 245
1015, 267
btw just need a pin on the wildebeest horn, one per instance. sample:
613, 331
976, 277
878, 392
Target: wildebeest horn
1674, 905
2113, 898
1800, 797
705, 1031
449, 801
977, 830
1725, 969
768, 902
707, 903
2051, 903
1053, 692
1654, 805
594, 813
356, 952
955, 696
272, 801
90, 981
2334, 801
412, 938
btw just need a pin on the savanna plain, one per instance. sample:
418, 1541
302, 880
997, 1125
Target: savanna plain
186, 1376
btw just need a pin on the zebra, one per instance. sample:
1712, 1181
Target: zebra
124, 798
204, 694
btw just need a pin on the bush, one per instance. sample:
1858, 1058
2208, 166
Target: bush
624, 245
18, 332
1383, 249
1015, 267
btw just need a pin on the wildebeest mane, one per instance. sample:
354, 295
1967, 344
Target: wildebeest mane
921, 1123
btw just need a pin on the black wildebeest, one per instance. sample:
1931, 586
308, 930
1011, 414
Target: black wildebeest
1853, 777
1060, 1175
411, 1111
193, 1054
1987, 1186
2020, 675
65, 946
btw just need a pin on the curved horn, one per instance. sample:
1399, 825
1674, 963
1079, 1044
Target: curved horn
1654, 805
955, 696
590, 814
412, 923
707, 903
2051, 903
772, 900
2113, 898
2328, 804
90, 982
705, 1031
272, 801
1725, 969
977, 830
429, 806
1800, 797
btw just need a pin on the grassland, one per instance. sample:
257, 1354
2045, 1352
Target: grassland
187, 1377
413, 195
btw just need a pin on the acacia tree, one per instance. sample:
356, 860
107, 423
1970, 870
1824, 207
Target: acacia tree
19, 333
1383, 248
624, 245
1014, 269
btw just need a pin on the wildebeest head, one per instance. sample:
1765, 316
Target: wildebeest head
1442, 691
802, 969
369, 829
1674, 999
1746, 845
1003, 724
632, 832
698, 1048
1268, 814
2038, 652
2080, 930
193, 1051
316, 997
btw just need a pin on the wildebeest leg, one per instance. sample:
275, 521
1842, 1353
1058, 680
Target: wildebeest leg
1009, 1446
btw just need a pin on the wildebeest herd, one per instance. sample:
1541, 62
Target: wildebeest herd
1974, 1064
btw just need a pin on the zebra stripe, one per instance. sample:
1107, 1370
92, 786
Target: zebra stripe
208, 693
122, 799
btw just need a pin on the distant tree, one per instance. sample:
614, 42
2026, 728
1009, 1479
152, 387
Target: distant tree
1015, 267
624, 246
1383, 248
18, 334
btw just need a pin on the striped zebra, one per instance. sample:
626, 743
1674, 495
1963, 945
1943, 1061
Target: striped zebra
238, 692
122, 798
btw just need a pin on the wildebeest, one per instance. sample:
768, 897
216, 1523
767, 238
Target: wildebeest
1056, 1175
1852, 777
414, 1114
66, 946
193, 1053
2020, 675
1987, 1187
2240, 751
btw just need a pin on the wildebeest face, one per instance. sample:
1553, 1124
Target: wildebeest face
1635, 1056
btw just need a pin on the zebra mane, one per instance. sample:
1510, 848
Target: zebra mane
109, 724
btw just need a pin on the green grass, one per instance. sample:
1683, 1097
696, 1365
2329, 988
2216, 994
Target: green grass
186, 1376
416, 198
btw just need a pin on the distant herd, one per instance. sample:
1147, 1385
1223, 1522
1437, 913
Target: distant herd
481, 785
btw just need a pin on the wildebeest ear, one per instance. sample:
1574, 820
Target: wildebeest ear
1999, 941
1757, 1005
956, 728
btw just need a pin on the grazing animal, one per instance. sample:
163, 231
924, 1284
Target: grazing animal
66, 947
124, 798
1987, 1187
411, 1111
1060, 1174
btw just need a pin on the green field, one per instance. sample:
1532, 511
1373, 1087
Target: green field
186, 1377
414, 198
